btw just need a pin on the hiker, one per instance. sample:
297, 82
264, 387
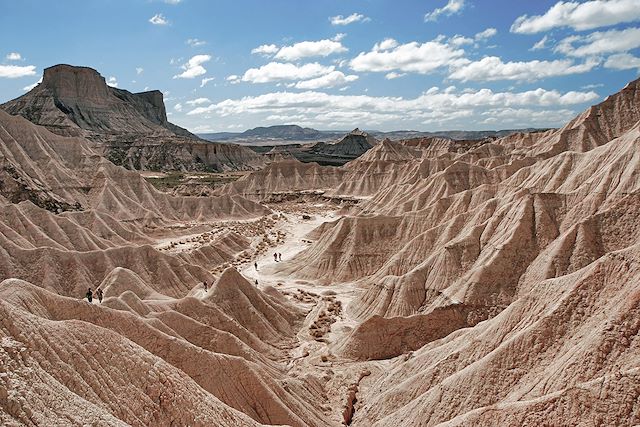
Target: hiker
206, 287
275, 257
255, 264
89, 295
256, 283
280, 256
99, 294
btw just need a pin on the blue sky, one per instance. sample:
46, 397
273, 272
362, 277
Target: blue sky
336, 64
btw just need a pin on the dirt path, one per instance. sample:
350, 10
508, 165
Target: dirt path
326, 323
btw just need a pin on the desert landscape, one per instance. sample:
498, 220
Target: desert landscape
152, 277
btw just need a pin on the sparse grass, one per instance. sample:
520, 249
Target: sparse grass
172, 180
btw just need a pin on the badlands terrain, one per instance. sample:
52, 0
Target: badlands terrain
426, 282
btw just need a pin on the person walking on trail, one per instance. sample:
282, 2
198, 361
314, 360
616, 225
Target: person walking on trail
89, 295
255, 264
206, 286
256, 283
280, 256
99, 294
275, 257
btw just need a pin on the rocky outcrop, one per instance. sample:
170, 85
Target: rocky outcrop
353, 145
130, 129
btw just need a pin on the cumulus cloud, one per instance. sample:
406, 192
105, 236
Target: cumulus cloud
393, 75
178, 107
414, 57
193, 67
112, 81
14, 56
486, 34
540, 44
492, 68
446, 108
432, 103
600, 42
385, 44
198, 101
15, 71
278, 71
311, 48
31, 86
159, 19
622, 61
451, 8
206, 80
195, 42
172, 1
265, 49
139, 70
333, 79
342, 20
579, 16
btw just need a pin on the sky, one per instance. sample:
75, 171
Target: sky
336, 64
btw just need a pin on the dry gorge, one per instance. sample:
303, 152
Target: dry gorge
427, 282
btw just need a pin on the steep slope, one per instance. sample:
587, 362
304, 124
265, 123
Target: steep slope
130, 129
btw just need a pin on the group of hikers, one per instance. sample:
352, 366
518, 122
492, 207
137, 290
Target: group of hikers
277, 257
90, 294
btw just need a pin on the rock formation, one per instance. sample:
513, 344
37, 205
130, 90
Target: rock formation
130, 129
490, 282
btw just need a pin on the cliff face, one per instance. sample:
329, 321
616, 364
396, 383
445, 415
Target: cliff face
131, 129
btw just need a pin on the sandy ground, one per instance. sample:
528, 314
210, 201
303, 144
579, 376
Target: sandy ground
326, 323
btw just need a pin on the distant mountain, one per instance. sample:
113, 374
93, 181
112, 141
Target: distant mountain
260, 135
352, 146
130, 129
278, 132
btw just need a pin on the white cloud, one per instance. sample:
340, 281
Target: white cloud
540, 44
195, 42
265, 49
492, 68
112, 81
385, 44
278, 71
159, 19
459, 40
415, 57
172, 1
393, 75
486, 34
15, 71
206, 80
600, 42
308, 49
178, 107
233, 79
354, 17
579, 16
193, 67
198, 101
452, 7
14, 56
622, 61
432, 102
31, 86
333, 79
139, 70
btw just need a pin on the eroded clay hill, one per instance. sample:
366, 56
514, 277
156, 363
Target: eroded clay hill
130, 129
491, 282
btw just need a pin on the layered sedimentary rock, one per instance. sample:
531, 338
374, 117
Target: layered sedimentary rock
130, 129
